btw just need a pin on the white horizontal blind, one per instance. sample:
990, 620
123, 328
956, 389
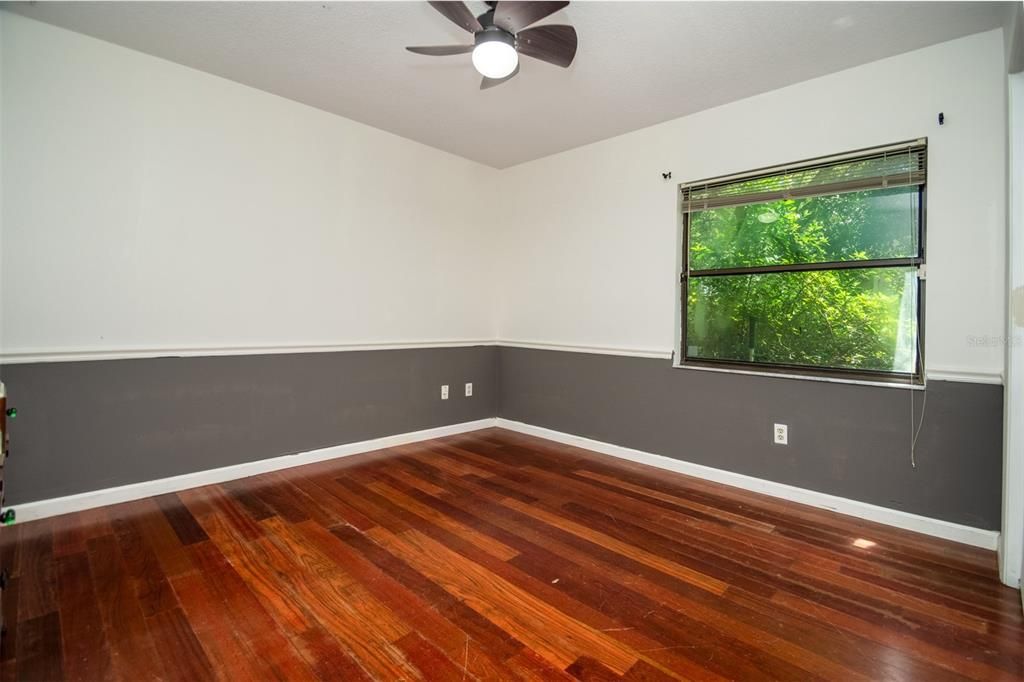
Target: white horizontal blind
892, 166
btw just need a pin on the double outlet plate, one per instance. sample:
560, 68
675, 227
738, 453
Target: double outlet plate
781, 434
469, 390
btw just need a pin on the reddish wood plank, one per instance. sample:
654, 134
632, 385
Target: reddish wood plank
38, 594
214, 627
151, 587
343, 607
561, 640
182, 655
590, 670
423, 617
499, 643
132, 653
158, 534
251, 622
431, 662
494, 556
86, 655
39, 649
181, 520
626, 575
243, 493
328, 659
9, 641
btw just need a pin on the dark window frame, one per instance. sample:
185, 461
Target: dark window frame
916, 378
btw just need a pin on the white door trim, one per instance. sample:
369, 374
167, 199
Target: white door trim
1011, 549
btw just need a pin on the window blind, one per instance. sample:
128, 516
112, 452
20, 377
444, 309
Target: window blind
892, 166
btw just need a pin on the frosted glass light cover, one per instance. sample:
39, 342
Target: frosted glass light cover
495, 59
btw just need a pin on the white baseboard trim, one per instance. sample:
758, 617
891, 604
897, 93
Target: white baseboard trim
31, 511
977, 537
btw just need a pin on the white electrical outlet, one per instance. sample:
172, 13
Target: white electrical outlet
444, 392
781, 434
469, 389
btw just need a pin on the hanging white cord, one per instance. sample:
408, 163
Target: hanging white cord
915, 432
924, 402
913, 436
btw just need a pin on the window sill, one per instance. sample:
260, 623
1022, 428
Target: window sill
802, 377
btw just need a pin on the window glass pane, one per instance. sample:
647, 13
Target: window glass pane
836, 227
861, 319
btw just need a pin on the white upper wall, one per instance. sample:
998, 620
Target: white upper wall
149, 205
590, 235
146, 205
3, 16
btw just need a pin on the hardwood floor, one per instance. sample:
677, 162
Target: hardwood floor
497, 556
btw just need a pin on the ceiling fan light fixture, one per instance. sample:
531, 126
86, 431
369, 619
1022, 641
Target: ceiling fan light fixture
495, 53
503, 32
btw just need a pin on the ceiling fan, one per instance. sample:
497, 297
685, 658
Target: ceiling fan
500, 35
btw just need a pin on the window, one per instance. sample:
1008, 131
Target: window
812, 268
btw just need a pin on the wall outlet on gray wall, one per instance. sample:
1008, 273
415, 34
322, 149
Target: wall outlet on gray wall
444, 391
469, 389
781, 432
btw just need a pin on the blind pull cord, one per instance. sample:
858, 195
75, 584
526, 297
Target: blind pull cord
915, 433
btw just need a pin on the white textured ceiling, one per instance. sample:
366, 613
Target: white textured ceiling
638, 63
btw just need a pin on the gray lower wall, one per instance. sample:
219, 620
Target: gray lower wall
89, 425
846, 440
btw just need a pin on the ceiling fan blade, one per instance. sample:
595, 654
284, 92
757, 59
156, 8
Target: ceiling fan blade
441, 50
491, 82
515, 16
458, 14
553, 43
